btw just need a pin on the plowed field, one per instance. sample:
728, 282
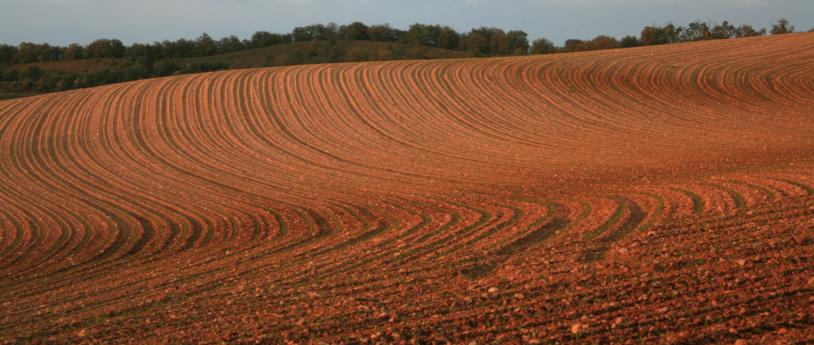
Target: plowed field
653, 195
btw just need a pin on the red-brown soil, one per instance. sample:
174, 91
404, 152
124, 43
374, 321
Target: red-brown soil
650, 195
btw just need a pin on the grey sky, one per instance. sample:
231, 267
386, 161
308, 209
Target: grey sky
66, 21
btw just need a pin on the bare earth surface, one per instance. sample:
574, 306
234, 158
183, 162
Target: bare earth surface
650, 195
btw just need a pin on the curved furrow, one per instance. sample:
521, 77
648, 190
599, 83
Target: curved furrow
661, 194
626, 219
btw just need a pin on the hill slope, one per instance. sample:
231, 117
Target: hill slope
74, 74
662, 194
263, 57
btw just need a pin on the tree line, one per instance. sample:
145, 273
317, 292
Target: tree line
670, 33
482, 41
141, 58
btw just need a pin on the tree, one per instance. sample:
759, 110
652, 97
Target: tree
477, 41
518, 42
105, 48
357, 54
498, 43
205, 45
602, 42
542, 46
782, 27
672, 32
73, 52
26, 52
9, 75
7, 54
294, 58
32, 73
117, 49
168, 68
179, 48
264, 39
354, 31
749, 31
331, 32
423, 35
303, 34
325, 51
144, 55
448, 38
32, 52
652, 35
629, 42
695, 31
432, 36
230, 44
485, 41
724, 31
574, 45
384, 33
315, 32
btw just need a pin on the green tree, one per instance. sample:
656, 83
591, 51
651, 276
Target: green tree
602, 42
357, 54
264, 39
629, 42
695, 31
448, 38
73, 52
749, 31
354, 31
652, 35
575, 45
7, 54
487, 41
144, 55
229, 44
294, 58
179, 48
26, 52
384, 33
498, 43
424, 35
315, 32
205, 45
782, 27
542, 46
724, 31
518, 42
105, 48
117, 49
10, 75
32, 72
303, 34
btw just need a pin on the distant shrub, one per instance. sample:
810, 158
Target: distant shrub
357, 54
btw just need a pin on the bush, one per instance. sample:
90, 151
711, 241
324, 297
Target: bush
168, 68
542, 46
357, 54
294, 58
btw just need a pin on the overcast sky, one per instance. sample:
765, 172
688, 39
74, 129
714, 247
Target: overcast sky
65, 21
